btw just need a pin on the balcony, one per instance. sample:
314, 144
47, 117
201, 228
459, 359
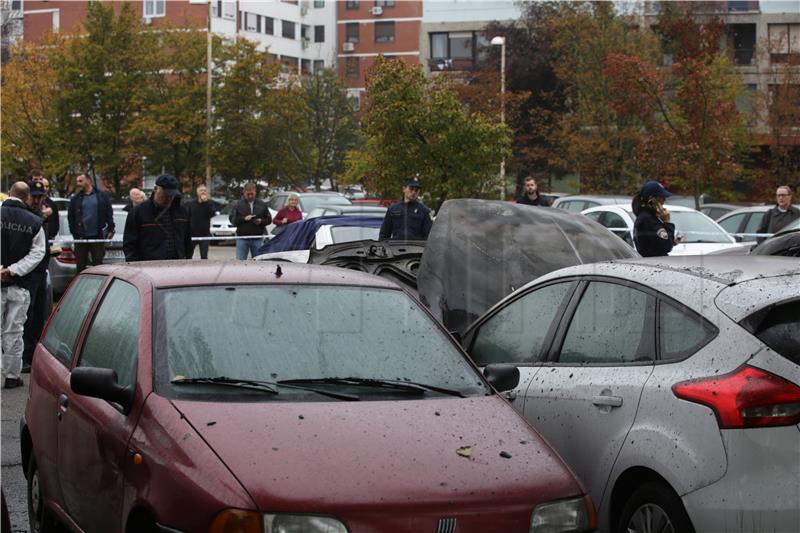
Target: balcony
450, 64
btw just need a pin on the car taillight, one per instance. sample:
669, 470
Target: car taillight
67, 257
748, 397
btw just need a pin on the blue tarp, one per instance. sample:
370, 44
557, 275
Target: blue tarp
300, 235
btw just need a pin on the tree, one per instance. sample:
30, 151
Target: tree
595, 138
414, 125
693, 134
32, 136
249, 140
101, 76
327, 127
171, 128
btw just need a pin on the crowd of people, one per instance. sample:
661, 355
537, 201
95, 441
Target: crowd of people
162, 227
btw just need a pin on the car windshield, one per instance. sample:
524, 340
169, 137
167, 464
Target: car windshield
309, 203
696, 227
289, 332
353, 233
227, 209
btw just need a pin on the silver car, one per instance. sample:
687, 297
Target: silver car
669, 385
63, 264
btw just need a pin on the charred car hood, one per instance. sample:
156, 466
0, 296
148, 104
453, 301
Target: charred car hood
479, 251
320, 456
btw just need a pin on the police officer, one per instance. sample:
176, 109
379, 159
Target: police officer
22, 247
409, 219
653, 233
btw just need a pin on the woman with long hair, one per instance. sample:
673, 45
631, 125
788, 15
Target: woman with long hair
653, 233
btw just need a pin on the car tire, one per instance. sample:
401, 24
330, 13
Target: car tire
39, 518
654, 508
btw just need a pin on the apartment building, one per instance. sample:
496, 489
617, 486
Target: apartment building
301, 34
367, 30
452, 38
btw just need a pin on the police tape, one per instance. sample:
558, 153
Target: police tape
194, 239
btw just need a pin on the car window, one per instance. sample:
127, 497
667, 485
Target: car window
516, 333
752, 224
308, 203
62, 333
780, 330
681, 332
353, 233
113, 337
731, 224
613, 220
287, 332
595, 215
696, 227
277, 202
576, 206
612, 324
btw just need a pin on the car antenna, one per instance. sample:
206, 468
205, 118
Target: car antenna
278, 272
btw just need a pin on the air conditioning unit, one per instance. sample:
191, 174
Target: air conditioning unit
305, 41
147, 21
304, 11
348, 47
377, 11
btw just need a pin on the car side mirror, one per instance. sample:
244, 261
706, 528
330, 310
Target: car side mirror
503, 377
101, 383
738, 238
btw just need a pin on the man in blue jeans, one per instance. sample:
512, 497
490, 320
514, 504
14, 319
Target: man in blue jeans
250, 216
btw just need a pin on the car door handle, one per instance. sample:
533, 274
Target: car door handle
63, 403
611, 401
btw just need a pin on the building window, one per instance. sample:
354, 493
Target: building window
439, 46
304, 29
155, 8
351, 32
352, 4
319, 3
288, 65
269, 25
319, 65
251, 22
287, 29
784, 40
384, 3
355, 98
384, 32
319, 34
742, 42
216, 8
229, 10
352, 68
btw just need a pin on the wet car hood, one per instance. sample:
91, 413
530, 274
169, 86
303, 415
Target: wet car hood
320, 456
479, 251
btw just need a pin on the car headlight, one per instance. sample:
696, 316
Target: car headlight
564, 516
294, 523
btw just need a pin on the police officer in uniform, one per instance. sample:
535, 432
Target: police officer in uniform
653, 233
409, 219
22, 248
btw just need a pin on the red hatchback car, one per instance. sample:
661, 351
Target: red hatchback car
252, 397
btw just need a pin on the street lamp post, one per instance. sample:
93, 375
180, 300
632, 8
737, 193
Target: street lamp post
144, 160
209, 67
501, 42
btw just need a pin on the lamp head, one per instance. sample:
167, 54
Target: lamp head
498, 41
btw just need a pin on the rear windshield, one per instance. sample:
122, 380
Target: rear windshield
779, 328
696, 227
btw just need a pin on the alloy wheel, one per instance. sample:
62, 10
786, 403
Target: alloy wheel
650, 518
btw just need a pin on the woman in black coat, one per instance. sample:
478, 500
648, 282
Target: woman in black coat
653, 233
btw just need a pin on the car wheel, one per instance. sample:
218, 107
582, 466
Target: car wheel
654, 508
39, 519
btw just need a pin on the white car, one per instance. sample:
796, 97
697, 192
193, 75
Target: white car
701, 235
220, 224
670, 385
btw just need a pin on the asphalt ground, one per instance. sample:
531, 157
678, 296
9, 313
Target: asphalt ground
12, 406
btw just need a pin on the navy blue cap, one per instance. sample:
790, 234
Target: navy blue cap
37, 188
412, 181
654, 188
169, 184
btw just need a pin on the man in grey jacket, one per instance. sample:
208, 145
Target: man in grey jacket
782, 214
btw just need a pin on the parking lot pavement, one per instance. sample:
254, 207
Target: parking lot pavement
218, 251
14, 485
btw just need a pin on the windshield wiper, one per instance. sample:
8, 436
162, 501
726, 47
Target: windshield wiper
265, 386
396, 384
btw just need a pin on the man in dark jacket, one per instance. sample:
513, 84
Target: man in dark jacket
39, 308
250, 216
158, 228
532, 196
90, 217
409, 219
22, 245
49, 208
781, 215
201, 211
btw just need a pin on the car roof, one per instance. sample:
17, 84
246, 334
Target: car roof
163, 274
749, 209
603, 199
629, 209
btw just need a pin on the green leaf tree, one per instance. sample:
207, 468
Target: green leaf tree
101, 76
417, 126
